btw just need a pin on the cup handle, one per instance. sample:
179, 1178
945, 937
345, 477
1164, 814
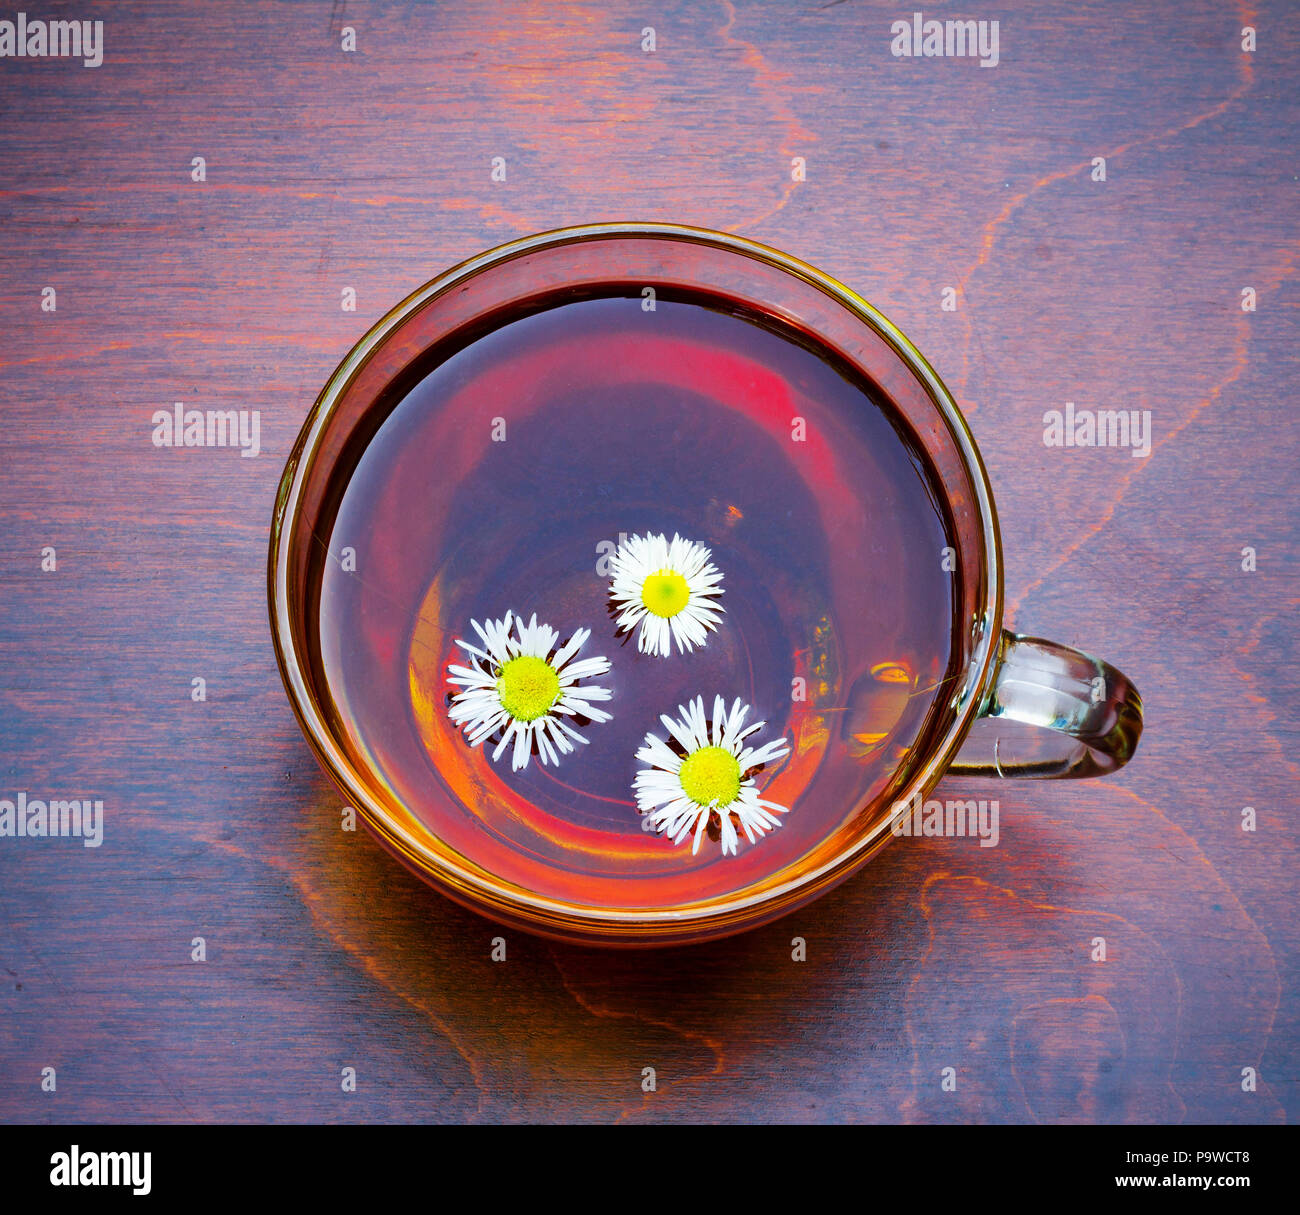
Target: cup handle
1088, 714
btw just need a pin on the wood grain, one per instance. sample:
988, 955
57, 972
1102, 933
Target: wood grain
371, 170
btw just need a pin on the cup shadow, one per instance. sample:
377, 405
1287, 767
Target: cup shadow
938, 954
582, 1023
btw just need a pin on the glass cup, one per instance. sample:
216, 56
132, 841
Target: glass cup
1020, 706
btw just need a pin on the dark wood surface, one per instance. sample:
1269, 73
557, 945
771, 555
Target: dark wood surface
371, 170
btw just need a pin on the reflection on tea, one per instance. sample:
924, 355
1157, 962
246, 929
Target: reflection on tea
512, 465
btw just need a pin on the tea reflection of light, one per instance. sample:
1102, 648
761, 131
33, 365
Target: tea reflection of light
875, 706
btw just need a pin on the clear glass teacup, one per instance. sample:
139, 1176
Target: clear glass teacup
467, 457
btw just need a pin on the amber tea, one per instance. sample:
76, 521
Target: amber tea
522, 466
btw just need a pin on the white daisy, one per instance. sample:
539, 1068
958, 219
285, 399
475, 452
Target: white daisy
682, 792
667, 588
517, 685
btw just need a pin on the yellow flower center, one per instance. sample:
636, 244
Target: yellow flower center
709, 775
528, 687
665, 593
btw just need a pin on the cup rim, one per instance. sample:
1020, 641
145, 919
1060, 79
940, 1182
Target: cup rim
507, 901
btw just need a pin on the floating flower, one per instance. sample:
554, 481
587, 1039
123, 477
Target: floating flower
526, 688
682, 792
669, 589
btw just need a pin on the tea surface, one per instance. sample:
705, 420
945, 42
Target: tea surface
503, 476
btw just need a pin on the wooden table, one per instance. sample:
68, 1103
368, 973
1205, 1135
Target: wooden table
371, 170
